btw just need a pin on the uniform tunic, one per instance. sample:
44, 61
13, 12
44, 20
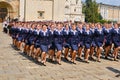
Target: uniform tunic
66, 38
93, 44
116, 37
108, 37
88, 39
81, 37
44, 39
99, 37
74, 39
58, 39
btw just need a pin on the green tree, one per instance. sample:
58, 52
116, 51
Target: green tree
90, 9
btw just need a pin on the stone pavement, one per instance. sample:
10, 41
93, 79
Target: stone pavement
16, 66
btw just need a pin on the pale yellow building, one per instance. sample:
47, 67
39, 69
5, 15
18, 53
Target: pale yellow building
39, 10
110, 12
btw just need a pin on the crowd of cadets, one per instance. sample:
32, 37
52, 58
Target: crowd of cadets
56, 38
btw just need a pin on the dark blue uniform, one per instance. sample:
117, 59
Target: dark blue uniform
26, 36
25, 31
36, 39
14, 33
17, 32
44, 38
52, 45
81, 37
74, 39
31, 37
93, 44
20, 34
116, 37
99, 37
108, 37
66, 38
88, 39
58, 39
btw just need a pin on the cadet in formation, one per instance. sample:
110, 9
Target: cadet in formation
71, 40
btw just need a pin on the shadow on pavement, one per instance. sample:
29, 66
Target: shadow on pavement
30, 58
114, 70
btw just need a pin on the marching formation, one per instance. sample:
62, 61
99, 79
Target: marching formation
39, 39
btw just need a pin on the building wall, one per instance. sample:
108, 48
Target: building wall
110, 12
12, 6
33, 7
21, 10
39, 10
59, 10
74, 11
53, 10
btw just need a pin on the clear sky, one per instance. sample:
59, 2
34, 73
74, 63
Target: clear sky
111, 2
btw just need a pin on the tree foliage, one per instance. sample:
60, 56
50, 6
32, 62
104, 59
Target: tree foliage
90, 9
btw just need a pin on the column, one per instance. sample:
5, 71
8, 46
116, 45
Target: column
22, 10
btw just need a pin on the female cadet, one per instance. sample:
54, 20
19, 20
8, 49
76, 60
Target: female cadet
52, 46
116, 40
31, 40
20, 36
66, 41
99, 40
81, 38
93, 45
87, 41
74, 39
44, 42
24, 36
58, 40
37, 50
27, 32
14, 34
108, 39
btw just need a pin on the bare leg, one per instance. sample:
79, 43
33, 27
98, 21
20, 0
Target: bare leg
58, 55
87, 55
66, 53
80, 52
73, 56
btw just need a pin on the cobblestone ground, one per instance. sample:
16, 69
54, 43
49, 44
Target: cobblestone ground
16, 66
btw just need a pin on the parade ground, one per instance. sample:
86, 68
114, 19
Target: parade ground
14, 65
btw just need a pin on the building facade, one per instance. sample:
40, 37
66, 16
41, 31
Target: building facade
9, 9
40, 10
110, 12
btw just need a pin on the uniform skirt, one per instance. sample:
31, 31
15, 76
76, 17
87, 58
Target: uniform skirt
13, 36
81, 44
59, 46
99, 44
27, 42
74, 46
108, 43
20, 38
44, 48
37, 44
93, 44
87, 45
52, 46
30, 42
66, 45
116, 44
